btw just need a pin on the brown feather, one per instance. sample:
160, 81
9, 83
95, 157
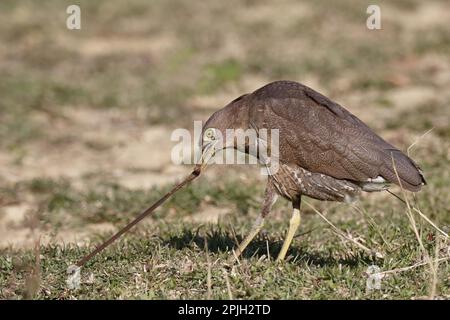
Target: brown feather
322, 136
318, 134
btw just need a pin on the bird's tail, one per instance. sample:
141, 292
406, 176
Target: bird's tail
400, 169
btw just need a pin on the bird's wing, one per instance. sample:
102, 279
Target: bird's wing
321, 136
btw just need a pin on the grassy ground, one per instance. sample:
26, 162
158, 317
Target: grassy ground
85, 123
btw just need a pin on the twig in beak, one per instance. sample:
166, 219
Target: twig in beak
194, 174
207, 154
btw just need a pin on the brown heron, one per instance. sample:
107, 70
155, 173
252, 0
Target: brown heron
325, 152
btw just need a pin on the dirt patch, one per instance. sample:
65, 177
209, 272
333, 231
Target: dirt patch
208, 214
81, 143
409, 97
95, 141
94, 47
427, 15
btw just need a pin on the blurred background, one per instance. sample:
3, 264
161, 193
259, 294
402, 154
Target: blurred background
86, 115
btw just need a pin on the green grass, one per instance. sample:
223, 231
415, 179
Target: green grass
169, 261
108, 201
166, 257
142, 65
56, 74
217, 75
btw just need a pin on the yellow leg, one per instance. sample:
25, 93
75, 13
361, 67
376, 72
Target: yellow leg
293, 225
270, 197
259, 223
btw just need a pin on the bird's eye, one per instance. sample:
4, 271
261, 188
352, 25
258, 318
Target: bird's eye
209, 134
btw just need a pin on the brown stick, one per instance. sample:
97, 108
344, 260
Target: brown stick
194, 174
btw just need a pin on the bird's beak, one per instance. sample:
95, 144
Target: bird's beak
208, 153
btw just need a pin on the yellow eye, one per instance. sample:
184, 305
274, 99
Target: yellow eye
210, 134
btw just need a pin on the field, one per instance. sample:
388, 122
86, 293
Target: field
85, 123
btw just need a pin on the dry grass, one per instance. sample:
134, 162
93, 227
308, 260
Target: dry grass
85, 123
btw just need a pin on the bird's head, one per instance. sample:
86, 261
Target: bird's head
219, 130
214, 136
